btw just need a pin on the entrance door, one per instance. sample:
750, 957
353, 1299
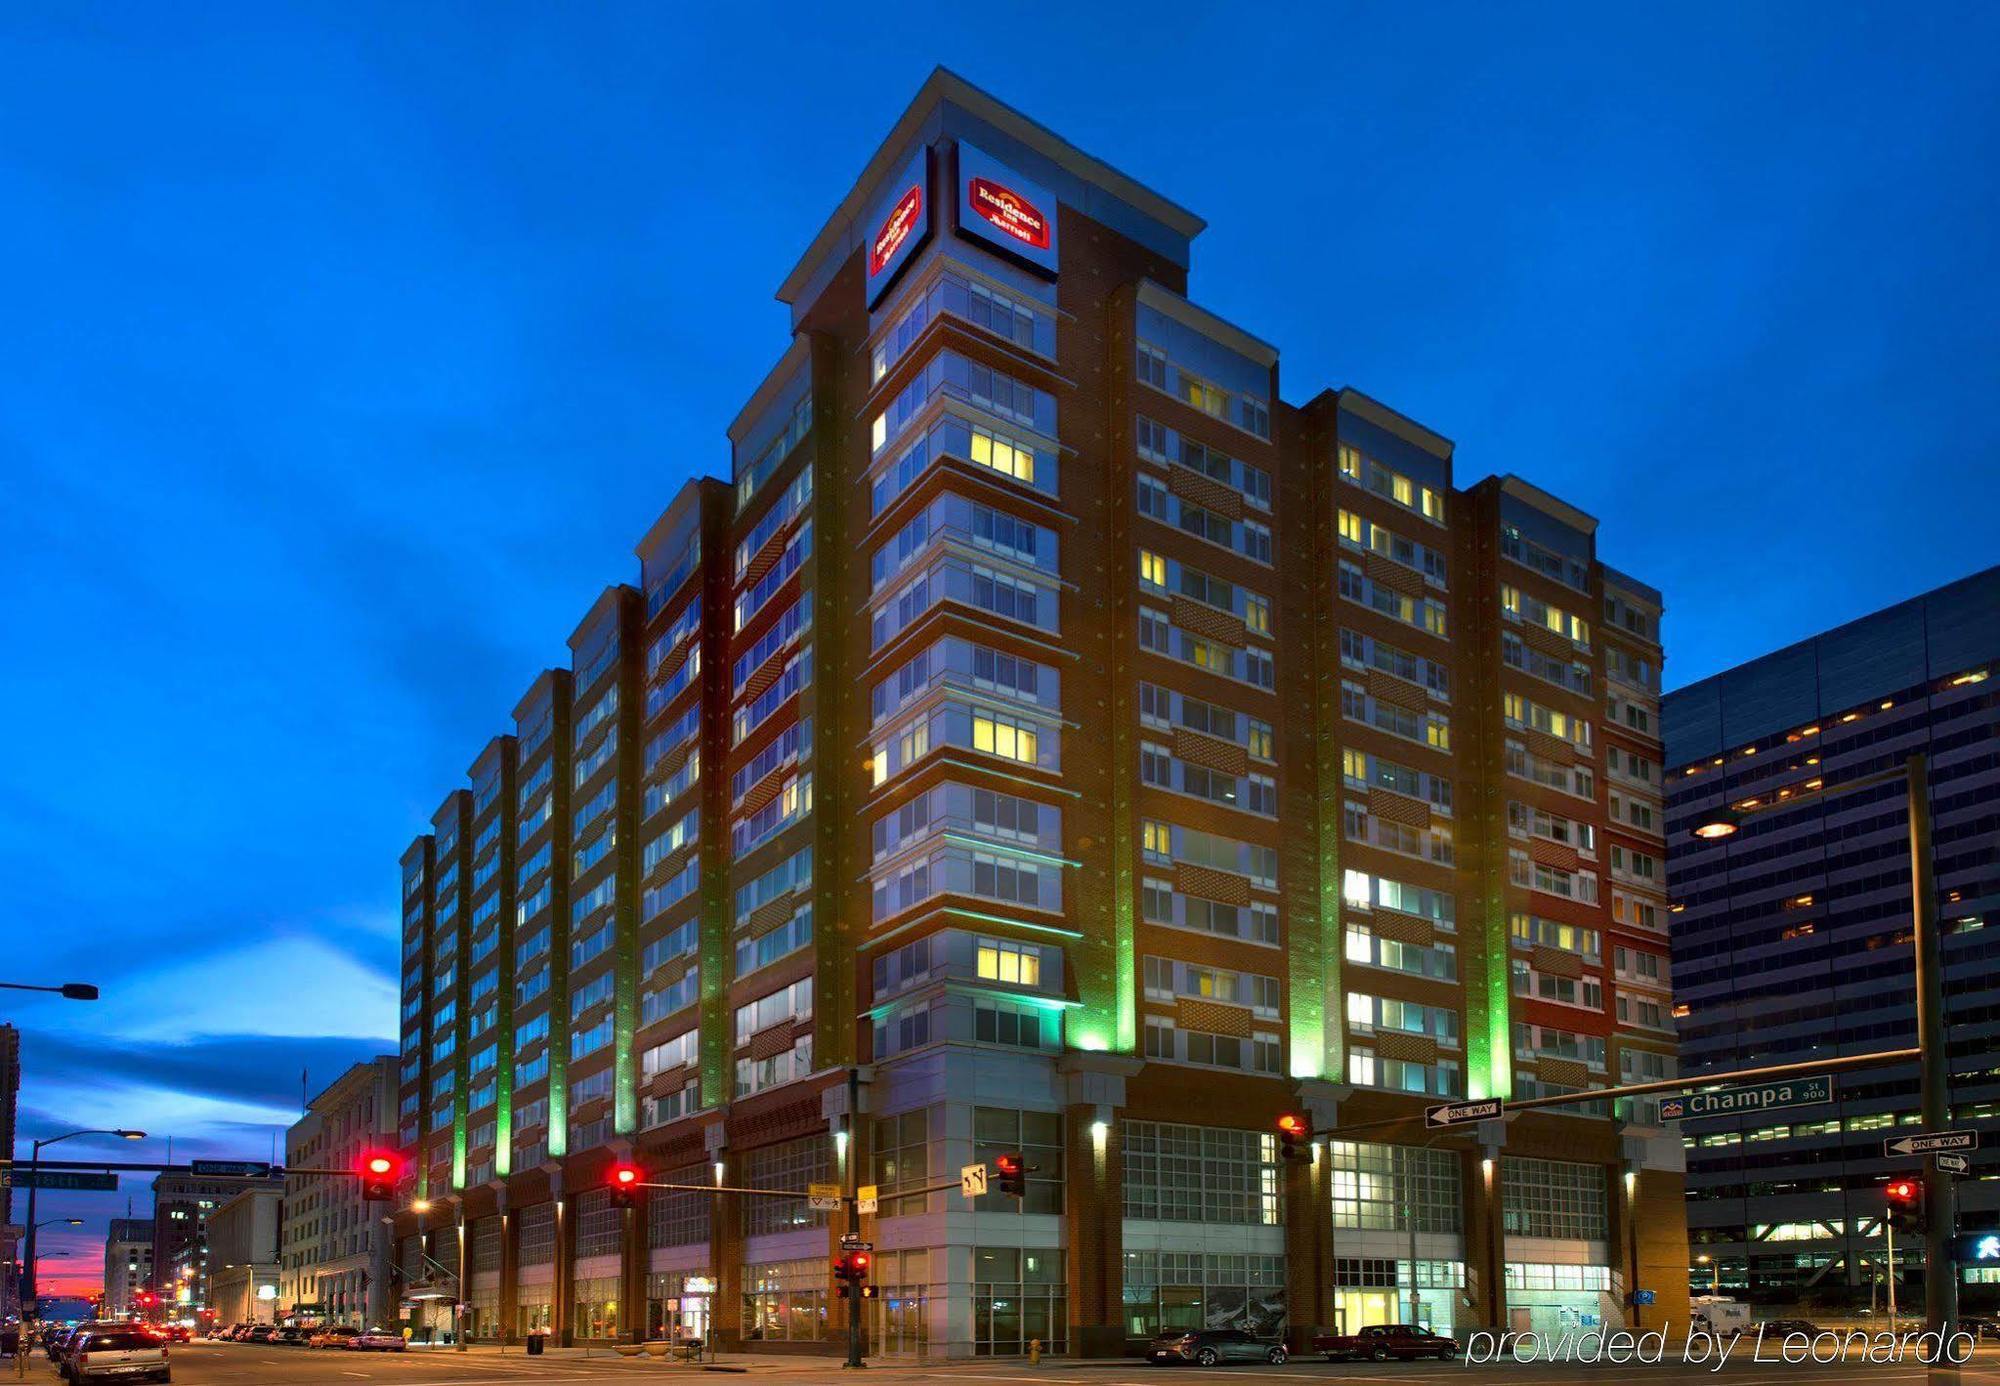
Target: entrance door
1521, 1320
1355, 1310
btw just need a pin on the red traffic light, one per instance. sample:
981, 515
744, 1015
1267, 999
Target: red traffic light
1292, 1124
1902, 1190
861, 1260
1007, 1164
379, 1172
624, 1176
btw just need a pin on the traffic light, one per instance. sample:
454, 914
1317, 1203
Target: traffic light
624, 1181
1906, 1204
849, 1270
1295, 1137
379, 1172
1013, 1174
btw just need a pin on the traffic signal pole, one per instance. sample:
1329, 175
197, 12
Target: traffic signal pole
1934, 1091
853, 1201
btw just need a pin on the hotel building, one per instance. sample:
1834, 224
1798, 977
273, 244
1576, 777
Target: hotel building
1791, 938
1049, 739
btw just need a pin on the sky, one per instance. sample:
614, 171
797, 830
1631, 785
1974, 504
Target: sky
349, 349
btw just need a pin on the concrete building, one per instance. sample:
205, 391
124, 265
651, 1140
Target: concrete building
335, 1266
1791, 938
182, 1205
243, 1248
128, 1265
1050, 739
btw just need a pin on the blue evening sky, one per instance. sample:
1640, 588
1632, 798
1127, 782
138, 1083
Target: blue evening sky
350, 347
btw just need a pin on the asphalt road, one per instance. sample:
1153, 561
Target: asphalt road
231, 1364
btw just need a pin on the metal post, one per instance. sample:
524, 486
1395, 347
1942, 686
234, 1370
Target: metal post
1940, 1193
853, 1214
29, 1285
1889, 1226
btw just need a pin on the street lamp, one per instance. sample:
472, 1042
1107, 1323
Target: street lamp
1715, 1267
34, 1163
1934, 1081
70, 991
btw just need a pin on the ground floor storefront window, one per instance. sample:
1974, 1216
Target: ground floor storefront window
899, 1320
534, 1311
678, 1305
482, 1321
1379, 1289
785, 1301
1549, 1299
1017, 1296
596, 1309
1191, 1289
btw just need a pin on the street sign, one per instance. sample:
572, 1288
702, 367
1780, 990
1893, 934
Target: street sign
1979, 1248
1953, 1164
826, 1196
1459, 1113
972, 1180
55, 1179
1925, 1142
230, 1169
1643, 1296
855, 1244
867, 1199
1749, 1097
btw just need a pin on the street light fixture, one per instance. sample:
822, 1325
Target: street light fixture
70, 991
1934, 1081
35, 1159
1715, 1282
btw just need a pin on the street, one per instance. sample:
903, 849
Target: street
228, 1364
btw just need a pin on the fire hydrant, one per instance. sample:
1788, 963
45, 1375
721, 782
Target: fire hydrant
1034, 1352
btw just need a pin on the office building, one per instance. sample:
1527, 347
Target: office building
1049, 739
243, 1248
182, 1264
334, 1266
128, 1266
1791, 937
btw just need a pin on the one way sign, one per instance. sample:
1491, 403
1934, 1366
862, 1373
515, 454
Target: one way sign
1929, 1141
1459, 1113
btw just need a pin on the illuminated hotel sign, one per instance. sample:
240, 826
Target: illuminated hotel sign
900, 225
1005, 211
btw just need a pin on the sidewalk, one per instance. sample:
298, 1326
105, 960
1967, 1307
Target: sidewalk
730, 1362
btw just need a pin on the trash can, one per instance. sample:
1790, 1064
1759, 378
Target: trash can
535, 1341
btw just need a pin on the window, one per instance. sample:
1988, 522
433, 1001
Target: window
1553, 1198
1391, 1187
1177, 1173
1004, 960
1001, 735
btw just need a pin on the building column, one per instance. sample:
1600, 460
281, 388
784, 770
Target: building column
507, 1303
632, 1270
1309, 1276
1485, 1228
562, 1291
1094, 1199
725, 1253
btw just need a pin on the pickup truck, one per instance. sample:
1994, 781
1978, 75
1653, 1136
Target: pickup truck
115, 1354
1380, 1342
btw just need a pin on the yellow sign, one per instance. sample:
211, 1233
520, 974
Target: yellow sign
823, 1195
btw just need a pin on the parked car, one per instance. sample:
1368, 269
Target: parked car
1380, 1342
120, 1353
1981, 1326
377, 1340
1207, 1346
1776, 1330
169, 1332
260, 1333
64, 1339
290, 1337
331, 1336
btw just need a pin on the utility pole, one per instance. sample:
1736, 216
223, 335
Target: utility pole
1940, 1189
1889, 1226
853, 1201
